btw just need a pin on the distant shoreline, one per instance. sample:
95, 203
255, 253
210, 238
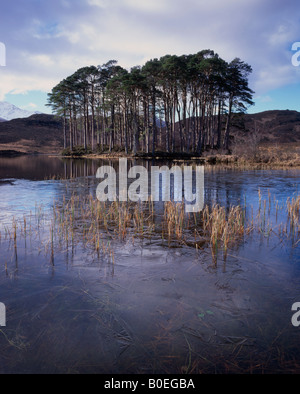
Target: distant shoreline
276, 161
218, 159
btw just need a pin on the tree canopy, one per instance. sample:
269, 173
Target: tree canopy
173, 104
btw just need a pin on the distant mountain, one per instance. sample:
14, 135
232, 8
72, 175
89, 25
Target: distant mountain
3, 120
44, 133
38, 133
9, 111
271, 127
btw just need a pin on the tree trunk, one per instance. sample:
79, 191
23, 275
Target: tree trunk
227, 128
154, 121
219, 127
71, 130
65, 130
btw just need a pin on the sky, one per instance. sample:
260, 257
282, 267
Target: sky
47, 40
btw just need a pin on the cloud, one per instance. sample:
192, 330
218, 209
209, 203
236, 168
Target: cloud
153, 6
30, 106
264, 99
47, 41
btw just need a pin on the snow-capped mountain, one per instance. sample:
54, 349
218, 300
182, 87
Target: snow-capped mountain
9, 111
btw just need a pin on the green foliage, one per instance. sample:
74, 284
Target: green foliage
77, 151
105, 149
102, 149
66, 152
121, 107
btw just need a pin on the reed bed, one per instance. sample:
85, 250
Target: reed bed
98, 225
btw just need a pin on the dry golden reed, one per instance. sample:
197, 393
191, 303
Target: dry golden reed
99, 224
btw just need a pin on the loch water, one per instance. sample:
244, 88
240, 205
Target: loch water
156, 308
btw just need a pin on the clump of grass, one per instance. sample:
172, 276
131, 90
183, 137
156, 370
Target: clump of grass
224, 229
173, 220
293, 209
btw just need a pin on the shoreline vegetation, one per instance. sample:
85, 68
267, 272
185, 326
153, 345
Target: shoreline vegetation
287, 155
268, 157
264, 155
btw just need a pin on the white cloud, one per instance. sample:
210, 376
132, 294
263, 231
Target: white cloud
42, 60
98, 3
274, 77
16, 84
149, 6
264, 99
29, 106
72, 36
48, 43
137, 5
